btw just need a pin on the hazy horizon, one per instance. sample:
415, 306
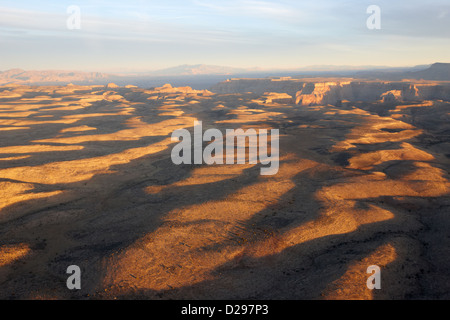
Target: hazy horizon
324, 68
145, 36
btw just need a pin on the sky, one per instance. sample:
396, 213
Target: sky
138, 35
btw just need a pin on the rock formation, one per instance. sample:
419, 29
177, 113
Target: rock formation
307, 92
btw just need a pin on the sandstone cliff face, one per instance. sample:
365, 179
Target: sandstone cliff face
273, 97
306, 93
332, 93
392, 96
320, 93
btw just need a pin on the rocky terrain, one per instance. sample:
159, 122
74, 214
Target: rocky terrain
314, 91
87, 179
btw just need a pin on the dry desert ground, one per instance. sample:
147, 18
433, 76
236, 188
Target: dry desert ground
86, 179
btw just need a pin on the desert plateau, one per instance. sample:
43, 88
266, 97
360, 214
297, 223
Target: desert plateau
86, 179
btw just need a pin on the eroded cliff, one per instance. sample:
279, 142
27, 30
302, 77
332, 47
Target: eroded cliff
307, 92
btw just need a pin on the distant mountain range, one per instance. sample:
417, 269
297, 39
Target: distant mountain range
436, 72
49, 76
199, 69
203, 76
